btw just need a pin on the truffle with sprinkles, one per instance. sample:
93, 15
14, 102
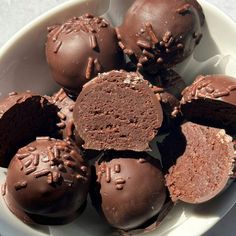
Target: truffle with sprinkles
77, 51
160, 33
47, 182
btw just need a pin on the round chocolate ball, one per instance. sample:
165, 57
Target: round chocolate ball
211, 100
47, 182
117, 111
79, 49
129, 189
158, 33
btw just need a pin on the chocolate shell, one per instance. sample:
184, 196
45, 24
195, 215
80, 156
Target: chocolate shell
47, 182
117, 110
79, 49
211, 100
128, 189
205, 163
23, 117
158, 34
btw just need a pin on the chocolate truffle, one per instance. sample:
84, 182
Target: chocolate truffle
47, 182
159, 34
23, 116
211, 100
65, 114
204, 165
129, 189
79, 49
117, 110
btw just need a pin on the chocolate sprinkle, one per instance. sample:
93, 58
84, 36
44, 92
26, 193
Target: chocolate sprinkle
30, 170
20, 185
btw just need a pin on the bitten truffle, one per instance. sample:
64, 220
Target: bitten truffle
129, 189
205, 163
211, 100
47, 182
117, 110
159, 34
79, 49
23, 117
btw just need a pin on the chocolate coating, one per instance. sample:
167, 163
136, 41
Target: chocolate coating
211, 100
47, 182
205, 161
65, 114
23, 117
160, 33
118, 195
117, 110
79, 49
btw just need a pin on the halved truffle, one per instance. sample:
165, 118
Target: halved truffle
117, 110
128, 189
79, 49
211, 100
23, 117
159, 34
47, 182
205, 163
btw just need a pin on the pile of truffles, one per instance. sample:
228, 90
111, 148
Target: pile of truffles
119, 95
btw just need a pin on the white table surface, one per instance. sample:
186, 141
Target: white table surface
16, 13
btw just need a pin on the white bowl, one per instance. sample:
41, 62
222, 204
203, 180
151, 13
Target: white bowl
23, 66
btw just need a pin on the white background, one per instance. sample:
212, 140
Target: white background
16, 13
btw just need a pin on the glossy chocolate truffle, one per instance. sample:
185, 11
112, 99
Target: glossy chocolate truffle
211, 100
159, 33
23, 117
203, 166
47, 182
79, 49
117, 110
65, 114
129, 189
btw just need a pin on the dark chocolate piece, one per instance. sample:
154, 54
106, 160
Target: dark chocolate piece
117, 193
211, 100
205, 163
23, 117
117, 110
160, 33
49, 192
79, 49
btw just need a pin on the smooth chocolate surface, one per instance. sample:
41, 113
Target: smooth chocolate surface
23, 117
47, 182
128, 189
79, 49
211, 100
117, 110
158, 33
205, 162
